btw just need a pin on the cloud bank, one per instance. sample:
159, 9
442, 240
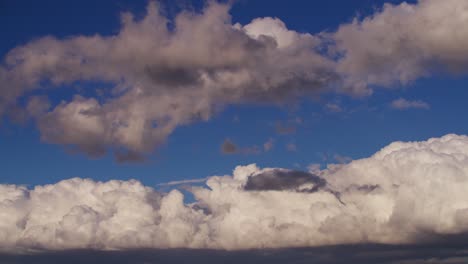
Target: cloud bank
162, 77
406, 193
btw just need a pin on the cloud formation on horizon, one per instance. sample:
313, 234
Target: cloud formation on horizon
162, 78
406, 193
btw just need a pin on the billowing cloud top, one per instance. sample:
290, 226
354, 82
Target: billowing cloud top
406, 193
163, 77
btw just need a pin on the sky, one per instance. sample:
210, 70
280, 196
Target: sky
320, 128
343, 106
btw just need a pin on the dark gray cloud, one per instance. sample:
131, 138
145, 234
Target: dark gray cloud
341, 254
228, 147
280, 180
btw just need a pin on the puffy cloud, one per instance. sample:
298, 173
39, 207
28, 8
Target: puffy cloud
413, 192
161, 77
401, 43
403, 104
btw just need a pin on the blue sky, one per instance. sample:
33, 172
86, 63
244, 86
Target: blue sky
360, 128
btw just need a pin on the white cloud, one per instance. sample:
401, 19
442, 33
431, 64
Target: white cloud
401, 43
403, 104
404, 193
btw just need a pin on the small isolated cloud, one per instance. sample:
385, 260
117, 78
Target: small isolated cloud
291, 147
229, 147
403, 104
332, 107
251, 150
267, 146
285, 128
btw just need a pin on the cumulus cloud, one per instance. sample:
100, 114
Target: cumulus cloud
408, 192
161, 78
403, 104
401, 43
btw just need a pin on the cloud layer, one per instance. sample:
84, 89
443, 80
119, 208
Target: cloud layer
162, 77
411, 192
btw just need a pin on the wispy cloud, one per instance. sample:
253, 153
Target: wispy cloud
333, 107
267, 146
181, 182
403, 104
291, 147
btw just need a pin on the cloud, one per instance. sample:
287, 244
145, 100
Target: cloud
267, 146
401, 43
406, 193
280, 180
341, 159
159, 77
291, 147
285, 128
332, 107
403, 104
171, 183
228, 147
